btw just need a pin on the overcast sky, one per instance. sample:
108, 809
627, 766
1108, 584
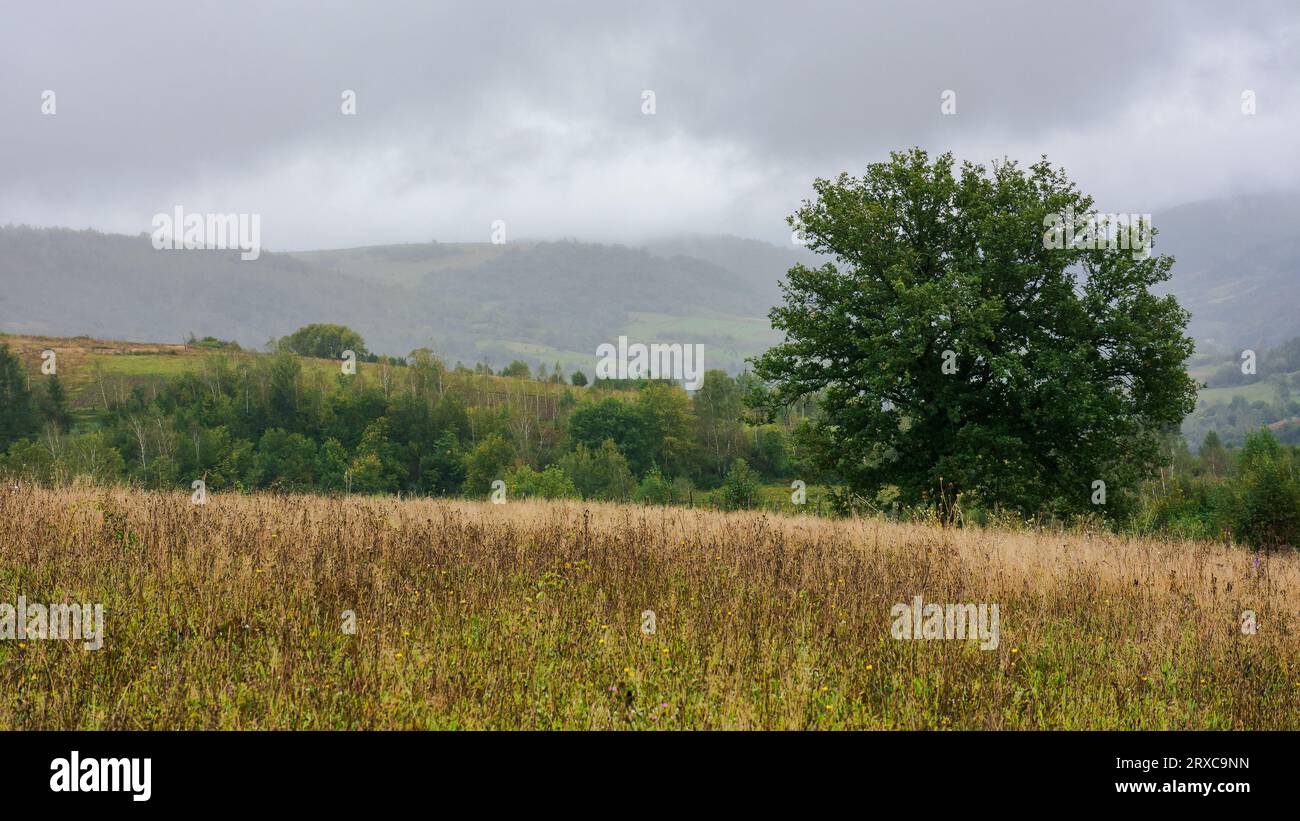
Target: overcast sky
531, 112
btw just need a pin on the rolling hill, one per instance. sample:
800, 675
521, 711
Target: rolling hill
1237, 268
1237, 271
540, 302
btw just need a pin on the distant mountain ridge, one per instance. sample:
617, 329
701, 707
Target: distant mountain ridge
537, 301
1237, 271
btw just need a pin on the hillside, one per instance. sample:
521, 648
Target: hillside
95, 372
541, 302
1237, 268
58, 282
1238, 265
1235, 403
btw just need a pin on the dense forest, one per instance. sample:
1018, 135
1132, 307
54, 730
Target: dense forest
418, 426
414, 426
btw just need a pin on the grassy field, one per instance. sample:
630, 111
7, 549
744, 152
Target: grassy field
529, 615
732, 338
1255, 392
729, 340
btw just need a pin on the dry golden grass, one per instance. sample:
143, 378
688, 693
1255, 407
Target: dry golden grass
528, 615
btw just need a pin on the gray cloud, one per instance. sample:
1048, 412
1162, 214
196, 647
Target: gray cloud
531, 112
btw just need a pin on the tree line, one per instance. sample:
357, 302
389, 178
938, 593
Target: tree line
269, 423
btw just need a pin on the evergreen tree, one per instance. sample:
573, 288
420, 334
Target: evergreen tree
19, 416
55, 407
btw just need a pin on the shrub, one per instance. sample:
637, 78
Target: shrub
740, 487
602, 473
656, 490
551, 483
486, 463
1269, 514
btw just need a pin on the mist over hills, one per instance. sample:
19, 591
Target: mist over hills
1237, 271
537, 301
1237, 268
64, 282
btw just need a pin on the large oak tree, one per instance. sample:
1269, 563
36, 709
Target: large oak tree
1063, 367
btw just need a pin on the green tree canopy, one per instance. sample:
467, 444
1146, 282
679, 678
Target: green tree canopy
19, 413
719, 405
956, 349
628, 426
1270, 493
485, 463
55, 404
324, 340
599, 473
517, 369
1214, 455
